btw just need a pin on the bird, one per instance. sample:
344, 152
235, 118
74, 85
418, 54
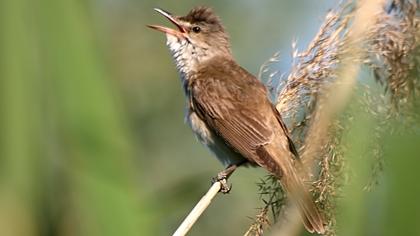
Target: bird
229, 109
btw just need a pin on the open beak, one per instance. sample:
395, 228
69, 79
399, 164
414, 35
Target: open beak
180, 33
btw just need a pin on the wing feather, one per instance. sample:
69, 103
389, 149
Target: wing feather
238, 111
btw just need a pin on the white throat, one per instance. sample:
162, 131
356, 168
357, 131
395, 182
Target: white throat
186, 55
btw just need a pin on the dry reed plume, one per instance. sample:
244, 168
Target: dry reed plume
389, 47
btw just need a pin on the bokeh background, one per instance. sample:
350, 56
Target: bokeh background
92, 136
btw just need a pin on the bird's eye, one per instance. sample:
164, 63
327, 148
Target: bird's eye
196, 29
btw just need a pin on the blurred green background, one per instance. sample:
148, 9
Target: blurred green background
92, 135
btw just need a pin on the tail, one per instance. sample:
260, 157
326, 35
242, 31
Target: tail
298, 194
283, 168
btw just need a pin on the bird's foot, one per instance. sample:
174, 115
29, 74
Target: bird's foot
222, 179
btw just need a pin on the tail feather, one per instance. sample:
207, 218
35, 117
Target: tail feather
312, 219
292, 183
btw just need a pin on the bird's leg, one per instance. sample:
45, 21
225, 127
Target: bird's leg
223, 175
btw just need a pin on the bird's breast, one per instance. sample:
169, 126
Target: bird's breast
226, 155
199, 127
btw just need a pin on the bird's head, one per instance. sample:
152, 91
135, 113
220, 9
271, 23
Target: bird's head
198, 36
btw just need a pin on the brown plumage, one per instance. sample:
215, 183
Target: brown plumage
203, 15
229, 109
